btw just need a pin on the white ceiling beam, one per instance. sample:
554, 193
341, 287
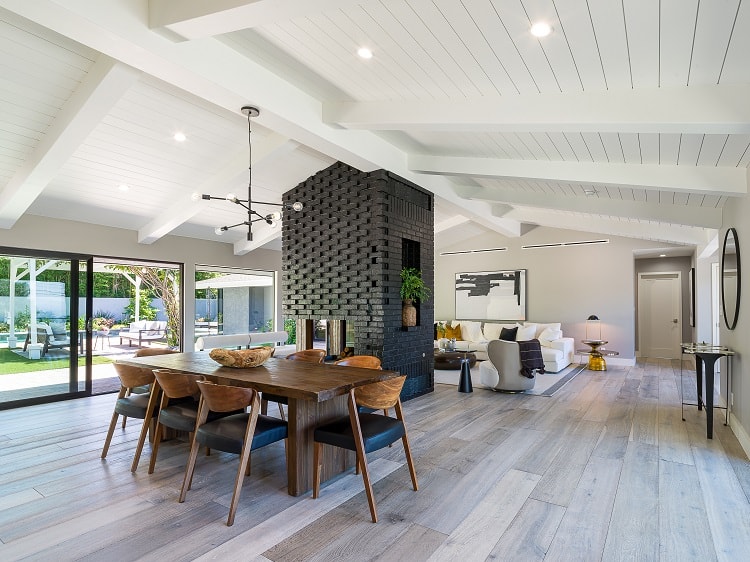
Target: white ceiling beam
674, 234
456, 220
716, 109
209, 69
196, 19
727, 181
667, 213
264, 149
102, 88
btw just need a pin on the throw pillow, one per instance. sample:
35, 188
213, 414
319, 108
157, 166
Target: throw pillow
58, 329
540, 327
526, 333
508, 334
549, 335
453, 332
471, 331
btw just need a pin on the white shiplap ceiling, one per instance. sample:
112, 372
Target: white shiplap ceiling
630, 119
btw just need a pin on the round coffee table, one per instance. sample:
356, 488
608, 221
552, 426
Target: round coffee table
452, 360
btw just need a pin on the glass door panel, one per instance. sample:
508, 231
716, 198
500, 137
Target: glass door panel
40, 342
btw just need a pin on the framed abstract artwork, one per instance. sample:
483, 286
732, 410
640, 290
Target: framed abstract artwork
491, 295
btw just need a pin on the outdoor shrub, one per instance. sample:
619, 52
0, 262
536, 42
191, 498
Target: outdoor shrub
290, 327
23, 319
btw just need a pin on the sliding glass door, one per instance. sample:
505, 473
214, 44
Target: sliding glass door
44, 345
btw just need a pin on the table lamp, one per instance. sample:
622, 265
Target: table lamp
593, 328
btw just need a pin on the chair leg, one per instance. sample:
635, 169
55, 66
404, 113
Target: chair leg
368, 489
155, 446
125, 418
152, 399
281, 411
316, 469
110, 431
410, 462
189, 469
249, 463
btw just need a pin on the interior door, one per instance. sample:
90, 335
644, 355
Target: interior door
42, 340
660, 314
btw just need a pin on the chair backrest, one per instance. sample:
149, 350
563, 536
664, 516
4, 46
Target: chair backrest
380, 395
225, 398
178, 385
309, 355
364, 361
504, 356
149, 351
131, 376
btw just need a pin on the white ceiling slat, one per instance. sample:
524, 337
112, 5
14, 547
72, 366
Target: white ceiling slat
735, 148
613, 43
358, 28
680, 198
555, 46
642, 20
595, 146
649, 143
612, 146
582, 152
713, 145
575, 20
736, 70
562, 144
669, 148
401, 43
520, 146
631, 148
639, 195
530, 141
715, 22
479, 42
678, 18
547, 146
690, 148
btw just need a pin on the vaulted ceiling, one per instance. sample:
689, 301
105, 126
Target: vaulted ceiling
630, 119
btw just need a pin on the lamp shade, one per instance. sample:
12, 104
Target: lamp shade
593, 328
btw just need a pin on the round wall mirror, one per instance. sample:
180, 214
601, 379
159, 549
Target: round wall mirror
730, 278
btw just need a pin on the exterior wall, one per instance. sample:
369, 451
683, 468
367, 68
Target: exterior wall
41, 233
343, 256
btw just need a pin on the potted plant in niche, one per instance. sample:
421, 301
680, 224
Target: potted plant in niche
413, 289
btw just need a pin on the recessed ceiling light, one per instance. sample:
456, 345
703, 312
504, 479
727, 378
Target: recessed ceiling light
364, 53
123, 187
662, 255
541, 29
180, 137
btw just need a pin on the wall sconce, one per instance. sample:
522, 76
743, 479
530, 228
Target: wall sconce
593, 328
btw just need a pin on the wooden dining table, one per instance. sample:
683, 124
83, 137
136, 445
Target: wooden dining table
317, 394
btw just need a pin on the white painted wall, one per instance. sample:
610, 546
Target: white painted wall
564, 284
735, 215
40, 233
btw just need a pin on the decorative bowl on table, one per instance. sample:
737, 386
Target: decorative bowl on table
241, 358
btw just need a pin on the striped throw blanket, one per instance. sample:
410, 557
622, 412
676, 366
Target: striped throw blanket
531, 358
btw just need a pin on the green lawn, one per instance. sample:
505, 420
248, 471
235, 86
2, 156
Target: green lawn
13, 363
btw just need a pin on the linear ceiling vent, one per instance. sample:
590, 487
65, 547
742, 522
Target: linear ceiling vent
473, 251
561, 244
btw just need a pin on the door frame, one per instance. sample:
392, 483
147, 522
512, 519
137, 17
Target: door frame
76, 261
646, 274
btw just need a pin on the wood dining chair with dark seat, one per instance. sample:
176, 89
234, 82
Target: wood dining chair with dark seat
307, 355
364, 361
366, 432
237, 433
178, 408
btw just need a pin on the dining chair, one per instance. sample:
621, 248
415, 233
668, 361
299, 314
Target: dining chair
133, 400
237, 433
366, 432
178, 407
364, 361
145, 389
306, 355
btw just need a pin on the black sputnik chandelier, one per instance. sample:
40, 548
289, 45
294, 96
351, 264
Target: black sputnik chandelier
253, 216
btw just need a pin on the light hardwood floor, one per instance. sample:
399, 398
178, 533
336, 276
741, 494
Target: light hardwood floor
604, 470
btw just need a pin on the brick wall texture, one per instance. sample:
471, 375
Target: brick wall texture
342, 258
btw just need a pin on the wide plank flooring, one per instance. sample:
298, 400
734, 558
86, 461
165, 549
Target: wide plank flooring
604, 470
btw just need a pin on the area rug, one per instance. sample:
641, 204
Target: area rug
546, 385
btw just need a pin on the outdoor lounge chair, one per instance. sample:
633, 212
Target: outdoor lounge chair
51, 337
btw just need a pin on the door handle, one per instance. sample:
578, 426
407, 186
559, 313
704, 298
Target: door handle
90, 325
675, 321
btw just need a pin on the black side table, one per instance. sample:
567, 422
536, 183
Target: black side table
464, 382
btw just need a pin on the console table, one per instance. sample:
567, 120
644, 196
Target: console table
705, 361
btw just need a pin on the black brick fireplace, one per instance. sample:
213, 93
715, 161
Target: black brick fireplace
342, 259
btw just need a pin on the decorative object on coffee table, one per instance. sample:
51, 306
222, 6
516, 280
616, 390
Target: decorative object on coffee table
413, 289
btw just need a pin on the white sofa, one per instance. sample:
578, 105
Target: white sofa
145, 331
557, 351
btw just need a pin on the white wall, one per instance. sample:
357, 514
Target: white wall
564, 284
40, 233
735, 215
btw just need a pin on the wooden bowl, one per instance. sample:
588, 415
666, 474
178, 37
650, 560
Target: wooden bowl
241, 358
